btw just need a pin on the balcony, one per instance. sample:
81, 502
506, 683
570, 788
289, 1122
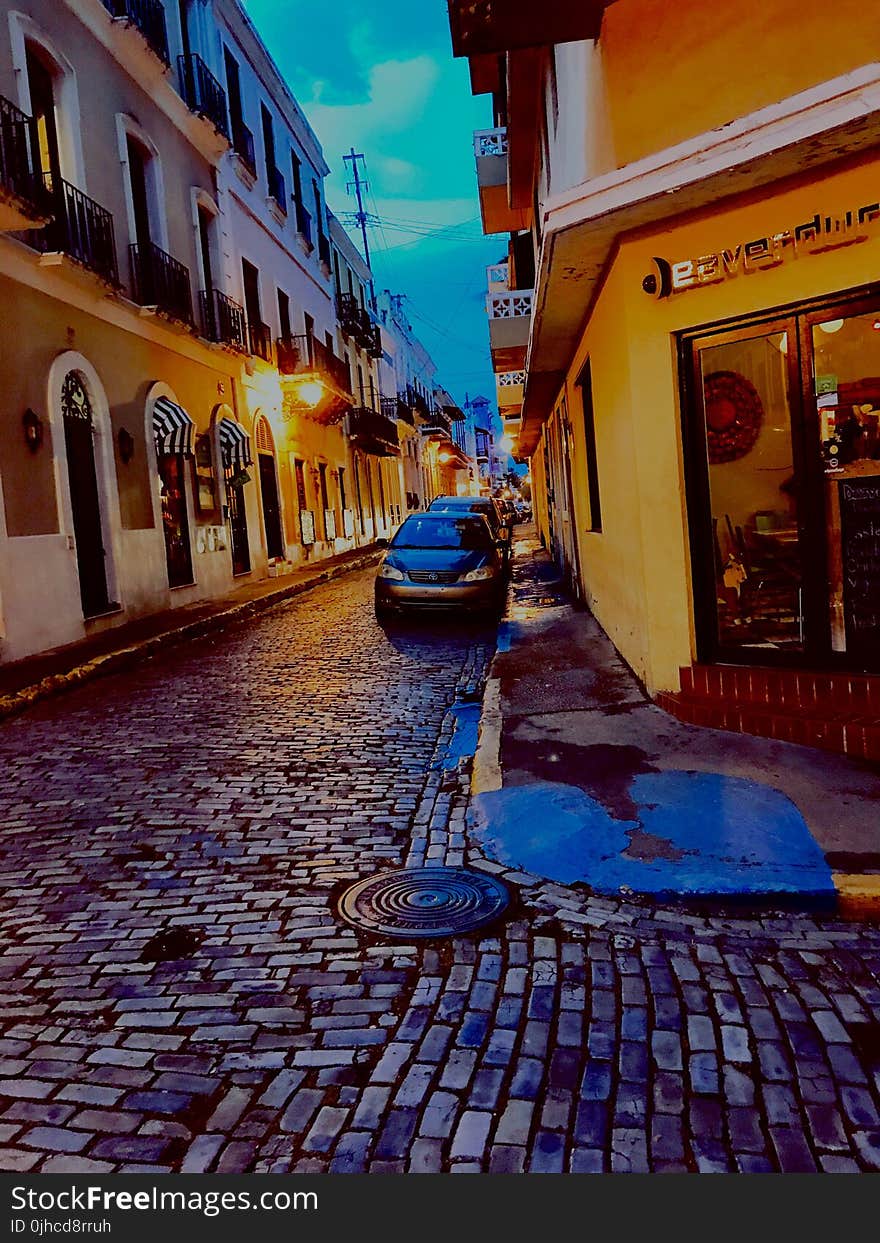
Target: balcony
348, 311
202, 93
160, 283
374, 345
485, 27
80, 229
223, 321
259, 337
436, 424
509, 390
315, 381
403, 410
510, 316
24, 199
243, 146
148, 17
277, 188
418, 402
490, 152
373, 432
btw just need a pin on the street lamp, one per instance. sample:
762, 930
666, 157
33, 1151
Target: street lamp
309, 392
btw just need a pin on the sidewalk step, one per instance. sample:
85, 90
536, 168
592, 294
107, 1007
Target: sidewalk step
823, 725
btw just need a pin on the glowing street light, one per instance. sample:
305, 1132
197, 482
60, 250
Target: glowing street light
309, 392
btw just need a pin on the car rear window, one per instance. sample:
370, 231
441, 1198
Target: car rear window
420, 531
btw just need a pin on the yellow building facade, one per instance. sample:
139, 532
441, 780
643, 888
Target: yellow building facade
700, 333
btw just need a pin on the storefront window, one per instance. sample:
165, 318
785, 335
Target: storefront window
753, 496
846, 381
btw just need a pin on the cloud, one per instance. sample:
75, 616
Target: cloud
333, 44
378, 75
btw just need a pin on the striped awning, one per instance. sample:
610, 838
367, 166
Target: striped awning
172, 428
235, 445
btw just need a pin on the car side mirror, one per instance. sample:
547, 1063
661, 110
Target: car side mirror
382, 542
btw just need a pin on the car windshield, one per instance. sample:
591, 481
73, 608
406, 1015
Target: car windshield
459, 533
475, 507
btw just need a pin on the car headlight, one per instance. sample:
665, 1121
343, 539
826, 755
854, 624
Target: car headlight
480, 575
391, 571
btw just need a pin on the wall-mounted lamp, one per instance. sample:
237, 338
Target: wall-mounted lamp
126, 446
33, 430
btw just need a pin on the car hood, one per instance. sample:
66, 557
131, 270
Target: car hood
439, 559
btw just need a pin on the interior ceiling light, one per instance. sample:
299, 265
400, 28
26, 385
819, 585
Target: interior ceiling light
831, 326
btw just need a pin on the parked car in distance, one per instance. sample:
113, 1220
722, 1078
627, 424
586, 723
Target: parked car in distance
485, 505
441, 560
509, 510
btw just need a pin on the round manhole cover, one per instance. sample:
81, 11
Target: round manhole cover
424, 902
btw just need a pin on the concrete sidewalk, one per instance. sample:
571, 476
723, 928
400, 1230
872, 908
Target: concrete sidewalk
581, 779
25, 682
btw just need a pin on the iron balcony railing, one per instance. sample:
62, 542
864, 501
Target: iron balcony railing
303, 223
149, 18
223, 320
349, 312
307, 353
437, 423
260, 340
404, 409
79, 228
374, 346
243, 146
19, 173
202, 92
326, 359
396, 409
374, 431
291, 352
277, 186
161, 281
417, 401
364, 334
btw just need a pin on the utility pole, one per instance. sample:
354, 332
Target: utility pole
355, 158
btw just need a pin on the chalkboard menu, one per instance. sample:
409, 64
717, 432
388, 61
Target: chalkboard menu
860, 540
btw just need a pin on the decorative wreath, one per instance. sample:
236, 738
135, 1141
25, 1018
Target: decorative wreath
734, 414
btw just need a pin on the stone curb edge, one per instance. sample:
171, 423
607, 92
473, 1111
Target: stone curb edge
121, 658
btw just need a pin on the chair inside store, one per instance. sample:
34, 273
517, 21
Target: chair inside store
759, 582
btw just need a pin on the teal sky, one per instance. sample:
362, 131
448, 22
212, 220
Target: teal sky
379, 75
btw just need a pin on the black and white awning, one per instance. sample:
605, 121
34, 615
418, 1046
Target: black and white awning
172, 427
235, 445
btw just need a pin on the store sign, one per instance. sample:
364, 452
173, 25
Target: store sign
814, 236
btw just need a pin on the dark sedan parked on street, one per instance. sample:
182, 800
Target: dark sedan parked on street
441, 560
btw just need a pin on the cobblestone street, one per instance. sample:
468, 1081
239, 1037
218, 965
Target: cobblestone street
214, 803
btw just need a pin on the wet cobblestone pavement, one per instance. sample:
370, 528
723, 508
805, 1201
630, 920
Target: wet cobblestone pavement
216, 802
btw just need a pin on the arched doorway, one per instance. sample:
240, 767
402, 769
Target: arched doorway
173, 434
269, 488
235, 453
77, 418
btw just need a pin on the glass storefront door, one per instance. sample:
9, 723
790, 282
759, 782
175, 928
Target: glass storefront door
845, 353
745, 382
783, 448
